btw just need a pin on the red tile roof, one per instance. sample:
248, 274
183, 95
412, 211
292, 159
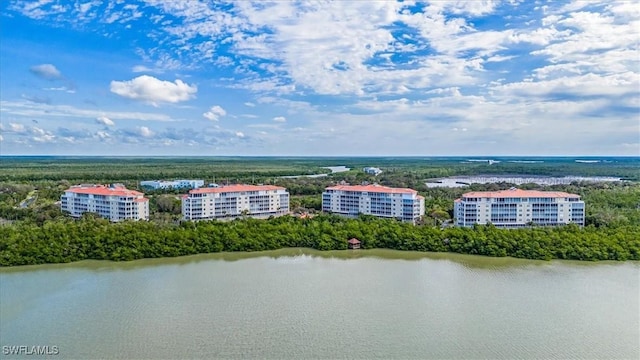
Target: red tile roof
373, 188
519, 193
353, 241
104, 190
235, 188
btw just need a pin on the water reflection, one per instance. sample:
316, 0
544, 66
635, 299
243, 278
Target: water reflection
469, 261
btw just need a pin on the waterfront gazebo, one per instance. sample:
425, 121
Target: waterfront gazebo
354, 243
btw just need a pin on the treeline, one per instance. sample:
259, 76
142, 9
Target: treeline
268, 168
61, 241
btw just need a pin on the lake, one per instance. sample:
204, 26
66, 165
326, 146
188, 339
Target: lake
302, 304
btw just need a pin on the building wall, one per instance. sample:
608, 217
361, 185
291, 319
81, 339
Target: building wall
113, 207
233, 204
519, 211
174, 184
372, 170
408, 207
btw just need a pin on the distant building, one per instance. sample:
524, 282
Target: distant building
113, 202
372, 171
376, 200
232, 201
519, 208
173, 184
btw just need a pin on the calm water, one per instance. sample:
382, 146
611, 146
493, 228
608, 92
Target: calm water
299, 304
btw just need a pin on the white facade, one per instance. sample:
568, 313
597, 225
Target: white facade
372, 171
380, 201
173, 184
228, 202
114, 202
519, 208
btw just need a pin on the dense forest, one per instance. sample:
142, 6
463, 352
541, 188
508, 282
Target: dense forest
267, 169
92, 238
33, 230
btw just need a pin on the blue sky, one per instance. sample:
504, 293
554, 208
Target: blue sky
162, 77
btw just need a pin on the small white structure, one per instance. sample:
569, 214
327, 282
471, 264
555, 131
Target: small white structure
372, 171
174, 184
113, 202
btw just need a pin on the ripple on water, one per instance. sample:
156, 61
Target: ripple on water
313, 306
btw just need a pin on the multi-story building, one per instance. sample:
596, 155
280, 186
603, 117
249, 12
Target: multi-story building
519, 208
377, 200
372, 171
114, 202
228, 202
173, 184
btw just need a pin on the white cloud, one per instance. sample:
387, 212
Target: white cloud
60, 88
215, 113
38, 9
104, 121
240, 134
40, 135
103, 135
38, 131
149, 89
145, 131
141, 68
29, 109
430, 74
46, 71
16, 128
45, 138
579, 85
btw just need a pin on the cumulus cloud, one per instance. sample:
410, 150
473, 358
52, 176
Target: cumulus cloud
41, 135
104, 121
16, 128
46, 71
215, 113
427, 73
145, 131
103, 135
152, 90
45, 138
136, 133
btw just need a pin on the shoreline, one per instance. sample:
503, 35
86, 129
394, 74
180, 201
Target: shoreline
470, 260
292, 252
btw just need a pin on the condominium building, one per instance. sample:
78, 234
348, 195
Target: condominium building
114, 202
173, 184
228, 202
377, 200
519, 208
372, 171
